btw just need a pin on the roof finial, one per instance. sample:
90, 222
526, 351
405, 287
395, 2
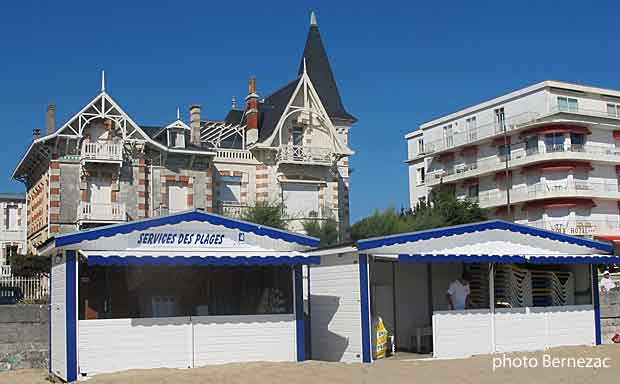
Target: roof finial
304, 64
178, 114
234, 102
102, 80
313, 19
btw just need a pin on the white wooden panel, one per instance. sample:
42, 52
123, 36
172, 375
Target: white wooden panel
177, 198
58, 319
229, 339
572, 325
120, 344
461, 333
300, 199
518, 329
335, 315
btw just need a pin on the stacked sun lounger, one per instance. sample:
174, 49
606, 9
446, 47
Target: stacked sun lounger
553, 288
479, 284
512, 286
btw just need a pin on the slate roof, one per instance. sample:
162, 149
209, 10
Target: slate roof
320, 72
272, 108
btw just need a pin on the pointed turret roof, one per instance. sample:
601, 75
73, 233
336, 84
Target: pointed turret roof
320, 73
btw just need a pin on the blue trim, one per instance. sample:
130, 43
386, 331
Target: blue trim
426, 258
140, 225
576, 259
71, 322
49, 325
202, 261
597, 304
478, 227
365, 309
299, 313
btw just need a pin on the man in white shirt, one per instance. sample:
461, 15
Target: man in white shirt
606, 283
458, 293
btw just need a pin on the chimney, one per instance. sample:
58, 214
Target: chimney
50, 119
251, 113
36, 133
194, 123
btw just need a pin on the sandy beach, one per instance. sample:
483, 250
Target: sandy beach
401, 369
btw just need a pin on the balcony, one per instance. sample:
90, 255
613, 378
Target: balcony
577, 227
576, 188
234, 156
521, 156
299, 154
5, 270
101, 212
481, 132
102, 152
232, 209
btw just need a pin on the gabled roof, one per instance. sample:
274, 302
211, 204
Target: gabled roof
320, 72
187, 216
450, 233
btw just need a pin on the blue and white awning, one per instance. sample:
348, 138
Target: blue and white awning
510, 259
490, 241
196, 258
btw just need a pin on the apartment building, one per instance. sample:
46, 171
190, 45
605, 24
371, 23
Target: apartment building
102, 167
12, 228
550, 152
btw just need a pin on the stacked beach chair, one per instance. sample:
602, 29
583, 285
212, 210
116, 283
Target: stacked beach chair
512, 286
552, 288
479, 284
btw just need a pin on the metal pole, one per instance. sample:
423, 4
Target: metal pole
508, 182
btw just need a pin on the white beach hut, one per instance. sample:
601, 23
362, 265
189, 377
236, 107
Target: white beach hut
530, 289
181, 291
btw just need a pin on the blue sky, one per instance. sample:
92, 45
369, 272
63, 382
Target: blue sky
397, 64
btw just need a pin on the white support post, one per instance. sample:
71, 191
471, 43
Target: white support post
492, 303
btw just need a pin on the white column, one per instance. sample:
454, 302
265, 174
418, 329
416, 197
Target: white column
492, 303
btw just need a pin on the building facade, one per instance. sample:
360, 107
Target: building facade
550, 152
101, 167
12, 228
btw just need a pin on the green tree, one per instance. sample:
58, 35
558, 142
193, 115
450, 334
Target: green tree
30, 265
445, 210
265, 213
325, 230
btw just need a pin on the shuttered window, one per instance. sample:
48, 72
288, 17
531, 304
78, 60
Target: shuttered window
301, 200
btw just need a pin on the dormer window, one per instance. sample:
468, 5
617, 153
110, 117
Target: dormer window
176, 138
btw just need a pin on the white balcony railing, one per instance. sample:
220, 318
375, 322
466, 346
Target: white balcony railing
102, 151
5, 270
232, 209
575, 188
305, 154
470, 135
577, 227
233, 154
483, 131
104, 212
521, 156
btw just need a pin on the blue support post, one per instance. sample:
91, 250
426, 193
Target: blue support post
299, 313
597, 305
365, 309
71, 313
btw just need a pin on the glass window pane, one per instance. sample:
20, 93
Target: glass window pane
572, 105
611, 109
562, 103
